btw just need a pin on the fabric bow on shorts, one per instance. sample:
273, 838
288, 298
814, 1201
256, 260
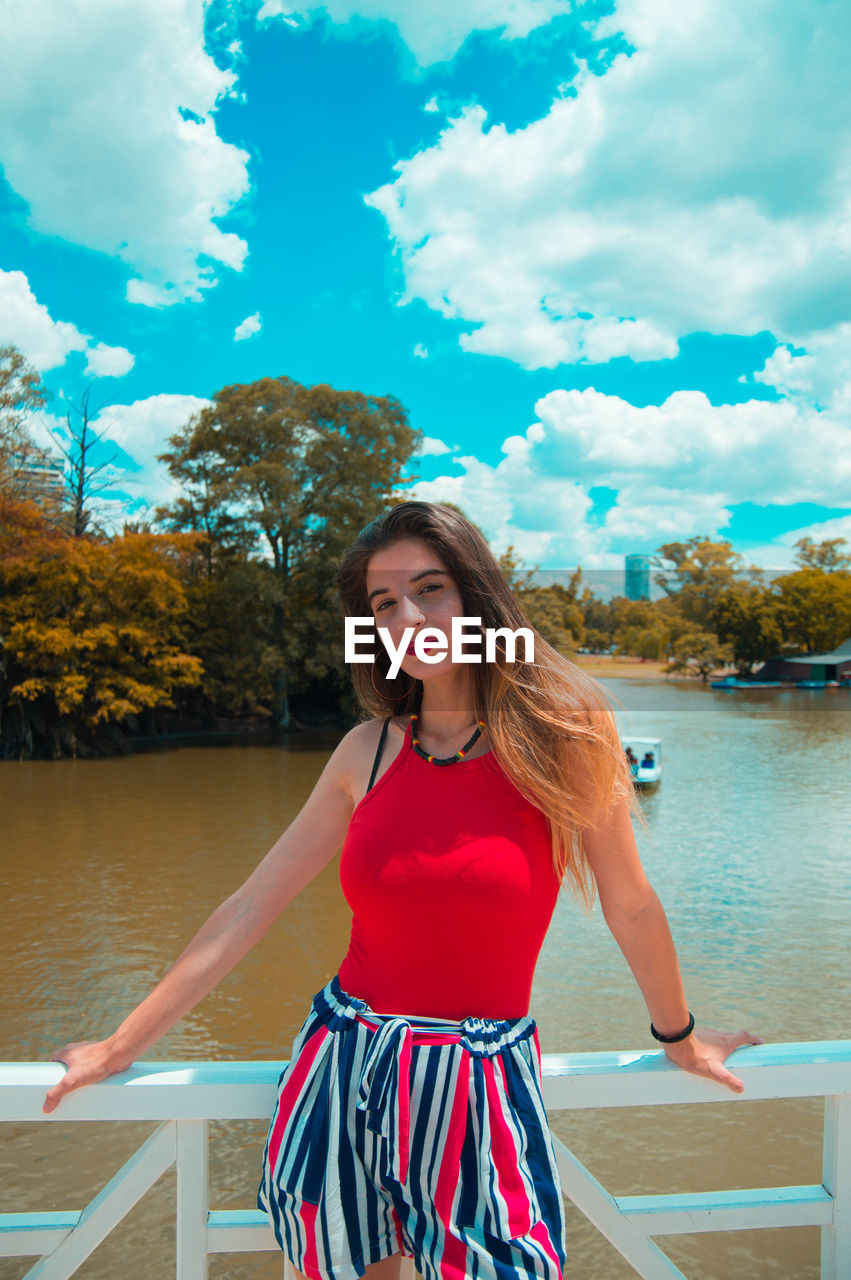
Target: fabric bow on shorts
421, 1136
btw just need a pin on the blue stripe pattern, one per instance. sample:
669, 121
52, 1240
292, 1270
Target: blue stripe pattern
384, 1140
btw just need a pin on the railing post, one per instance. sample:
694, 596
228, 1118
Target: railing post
836, 1176
192, 1199
110, 1205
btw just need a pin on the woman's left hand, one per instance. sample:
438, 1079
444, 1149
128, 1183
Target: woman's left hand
705, 1051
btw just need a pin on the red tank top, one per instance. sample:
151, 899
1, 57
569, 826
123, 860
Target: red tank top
448, 872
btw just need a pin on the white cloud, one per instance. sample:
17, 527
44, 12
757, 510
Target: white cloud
759, 451
27, 324
130, 486
44, 428
141, 430
433, 31
108, 362
666, 513
819, 375
515, 503
249, 326
92, 137
678, 469
700, 184
781, 553
421, 351
821, 531
433, 448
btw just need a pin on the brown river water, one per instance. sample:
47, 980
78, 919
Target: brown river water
108, 866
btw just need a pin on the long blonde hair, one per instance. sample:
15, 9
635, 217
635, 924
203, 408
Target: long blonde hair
550, 726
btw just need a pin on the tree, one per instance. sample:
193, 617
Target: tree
92, 635
670, 616
747, 618
640, 631
814, 608
289, 474
517, 577
23, 528
82, 474
643, 642
697, 652
295, 467
701, 570
554, 613
201, 509
632, 613
229, 628
596, 641
823, 555
599, 620
22, 393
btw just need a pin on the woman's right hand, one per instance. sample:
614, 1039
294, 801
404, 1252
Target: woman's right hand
86, 1062
308, 844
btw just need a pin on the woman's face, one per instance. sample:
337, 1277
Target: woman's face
409, 586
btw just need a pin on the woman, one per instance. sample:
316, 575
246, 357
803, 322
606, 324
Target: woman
409, 1119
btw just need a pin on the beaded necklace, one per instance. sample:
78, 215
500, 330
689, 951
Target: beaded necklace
459, 755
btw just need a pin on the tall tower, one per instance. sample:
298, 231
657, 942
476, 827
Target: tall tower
637, 577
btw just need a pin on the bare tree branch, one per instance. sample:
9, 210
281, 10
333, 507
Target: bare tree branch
81, 470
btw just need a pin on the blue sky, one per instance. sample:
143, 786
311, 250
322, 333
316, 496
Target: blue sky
599, 250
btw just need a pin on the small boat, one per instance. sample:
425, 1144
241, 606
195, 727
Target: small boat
733, 682
645, 760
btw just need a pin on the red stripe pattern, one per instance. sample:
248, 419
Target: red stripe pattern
417, 1136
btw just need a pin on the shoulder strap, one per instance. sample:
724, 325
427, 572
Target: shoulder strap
375, 762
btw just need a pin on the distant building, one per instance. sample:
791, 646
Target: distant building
818, 666
39, 475
637, 577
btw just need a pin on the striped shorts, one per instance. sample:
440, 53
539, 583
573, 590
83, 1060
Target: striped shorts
421, 1136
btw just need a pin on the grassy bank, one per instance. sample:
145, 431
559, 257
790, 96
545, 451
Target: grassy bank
606, 666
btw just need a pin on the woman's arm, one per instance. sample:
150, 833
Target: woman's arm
306, 846
639, 925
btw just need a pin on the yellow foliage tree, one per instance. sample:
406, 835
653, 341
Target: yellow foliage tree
91, 634
814, 608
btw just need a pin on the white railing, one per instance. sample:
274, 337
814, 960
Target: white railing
185, 1096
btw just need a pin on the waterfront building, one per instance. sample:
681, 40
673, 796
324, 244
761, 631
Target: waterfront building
817, 666
637, 577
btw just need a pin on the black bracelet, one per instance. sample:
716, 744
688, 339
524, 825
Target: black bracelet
681, 1035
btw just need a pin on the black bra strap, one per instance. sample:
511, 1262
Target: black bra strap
378, 754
